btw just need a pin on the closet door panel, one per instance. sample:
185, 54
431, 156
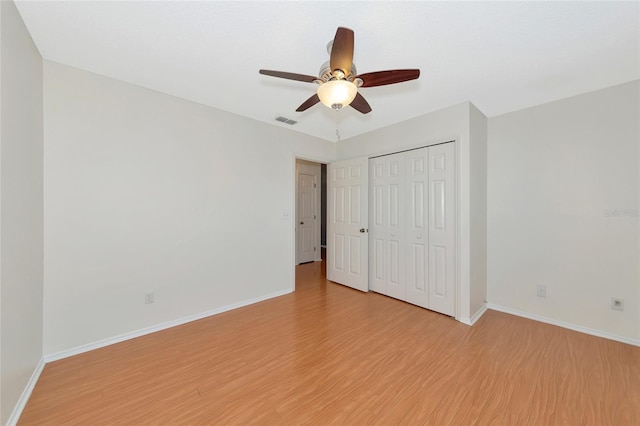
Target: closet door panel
417, 233
395, 226
377, 245
442, 229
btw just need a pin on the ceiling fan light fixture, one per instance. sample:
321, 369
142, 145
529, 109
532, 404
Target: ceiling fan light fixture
337, 94
338, 80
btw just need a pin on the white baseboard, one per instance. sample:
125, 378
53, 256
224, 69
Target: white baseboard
476, 316
563, 324
163, 326
26, 393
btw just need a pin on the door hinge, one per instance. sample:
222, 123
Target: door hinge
314, 185
314, 217
314, 249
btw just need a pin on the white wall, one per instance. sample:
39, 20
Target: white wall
21, 138
563, 210
147, 192
478, 201
464, 124
440, 126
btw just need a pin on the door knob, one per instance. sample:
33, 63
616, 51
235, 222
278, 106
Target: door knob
301, 223
362, 230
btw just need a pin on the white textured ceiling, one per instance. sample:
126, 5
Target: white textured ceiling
502, 56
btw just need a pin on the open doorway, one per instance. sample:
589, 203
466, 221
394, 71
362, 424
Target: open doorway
310, 211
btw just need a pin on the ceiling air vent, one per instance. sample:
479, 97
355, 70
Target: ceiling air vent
286, 120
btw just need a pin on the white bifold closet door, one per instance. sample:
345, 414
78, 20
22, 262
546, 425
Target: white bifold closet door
411, 228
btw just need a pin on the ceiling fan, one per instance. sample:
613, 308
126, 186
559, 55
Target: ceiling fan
338, 82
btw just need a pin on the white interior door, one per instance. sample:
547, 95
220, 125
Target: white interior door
347, 242
306, 216
442, 228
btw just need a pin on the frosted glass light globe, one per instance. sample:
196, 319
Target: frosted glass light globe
337, 94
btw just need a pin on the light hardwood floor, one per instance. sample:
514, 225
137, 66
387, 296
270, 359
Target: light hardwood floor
327, 354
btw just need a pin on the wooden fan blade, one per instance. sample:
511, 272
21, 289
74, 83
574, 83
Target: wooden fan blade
342, 51
382, 78
359, 103
289, 76
309, 103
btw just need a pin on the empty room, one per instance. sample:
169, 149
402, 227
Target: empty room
442, 199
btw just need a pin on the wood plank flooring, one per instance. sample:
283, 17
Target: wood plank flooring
327, 354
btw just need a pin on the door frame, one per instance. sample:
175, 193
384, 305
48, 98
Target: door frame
289, 213
306, 167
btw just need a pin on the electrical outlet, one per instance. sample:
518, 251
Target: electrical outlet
148, 298
541, 290
617, 304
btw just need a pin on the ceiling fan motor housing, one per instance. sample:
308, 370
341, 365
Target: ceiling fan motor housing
327, 74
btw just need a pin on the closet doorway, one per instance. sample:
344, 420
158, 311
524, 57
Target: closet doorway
412, 226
